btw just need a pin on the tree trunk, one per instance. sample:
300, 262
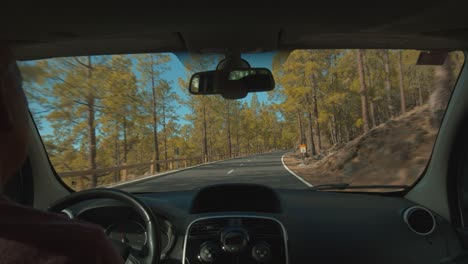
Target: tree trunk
91, 127
257, 144
400, 76
212, 131
116, 154
414, 98
165, 147
316, 114
163, 105
238, 138
337, 119
370, 99
372, 113
362, 92
228, 125
92, 139
388, 86
301, 131
155, 118
311, 142
204, 137
334, 127
331, 132
340, 128
347, 133
125, 146
379, 114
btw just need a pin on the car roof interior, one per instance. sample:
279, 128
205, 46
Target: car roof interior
332, 227
58, 32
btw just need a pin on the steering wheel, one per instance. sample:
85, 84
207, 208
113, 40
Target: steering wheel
152, 250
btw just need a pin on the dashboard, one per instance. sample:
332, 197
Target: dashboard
244, 223
123, 224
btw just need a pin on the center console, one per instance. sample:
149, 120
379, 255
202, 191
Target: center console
235, 239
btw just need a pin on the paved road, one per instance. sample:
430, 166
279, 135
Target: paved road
266, 169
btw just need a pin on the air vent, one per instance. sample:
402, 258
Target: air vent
262, 227
420, 220
207, 227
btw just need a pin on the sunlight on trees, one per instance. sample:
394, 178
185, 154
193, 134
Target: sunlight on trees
113, 110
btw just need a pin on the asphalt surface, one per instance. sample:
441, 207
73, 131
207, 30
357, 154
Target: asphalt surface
266, 169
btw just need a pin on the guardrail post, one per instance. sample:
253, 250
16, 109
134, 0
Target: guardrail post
185, 163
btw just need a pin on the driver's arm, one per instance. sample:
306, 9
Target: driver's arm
32, 236
99, 247
28, 235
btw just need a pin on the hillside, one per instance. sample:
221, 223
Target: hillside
395, 152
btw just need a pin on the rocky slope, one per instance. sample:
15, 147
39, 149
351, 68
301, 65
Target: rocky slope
395, 152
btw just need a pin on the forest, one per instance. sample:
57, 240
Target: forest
102, 111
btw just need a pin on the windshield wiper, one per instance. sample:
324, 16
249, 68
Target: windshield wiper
347, 186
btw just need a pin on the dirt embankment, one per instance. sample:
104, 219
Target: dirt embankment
392, 153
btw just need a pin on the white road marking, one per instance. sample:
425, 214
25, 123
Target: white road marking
242, 164
229, 172
161, 174
294, 174
248, 160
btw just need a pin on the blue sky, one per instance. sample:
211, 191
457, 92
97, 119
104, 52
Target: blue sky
257, 60
178, 70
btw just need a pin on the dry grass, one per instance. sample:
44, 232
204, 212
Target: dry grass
392, 153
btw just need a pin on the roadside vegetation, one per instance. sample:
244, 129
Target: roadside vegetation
104, 111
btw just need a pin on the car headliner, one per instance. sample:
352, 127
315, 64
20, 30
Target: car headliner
36, 33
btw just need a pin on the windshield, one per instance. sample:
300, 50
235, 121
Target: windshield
358, 117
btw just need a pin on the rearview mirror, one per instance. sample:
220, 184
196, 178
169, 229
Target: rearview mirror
232, 84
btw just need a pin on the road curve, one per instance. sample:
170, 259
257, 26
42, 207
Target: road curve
266, 169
